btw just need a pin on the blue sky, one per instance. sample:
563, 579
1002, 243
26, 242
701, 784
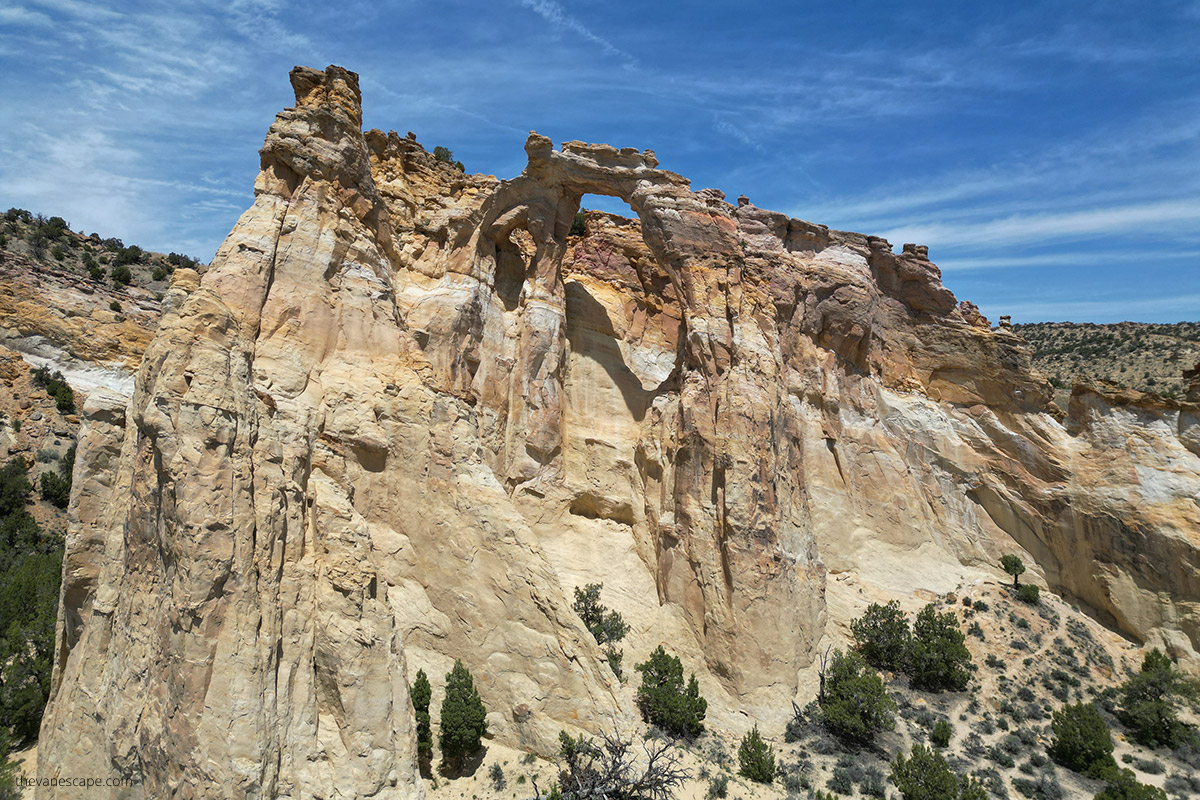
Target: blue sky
1048, 153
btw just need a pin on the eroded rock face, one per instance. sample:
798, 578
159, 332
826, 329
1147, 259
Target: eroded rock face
405, 412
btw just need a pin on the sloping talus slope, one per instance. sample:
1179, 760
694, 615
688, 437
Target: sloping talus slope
403, 413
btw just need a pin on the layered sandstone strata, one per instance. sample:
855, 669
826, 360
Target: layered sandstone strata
405, 412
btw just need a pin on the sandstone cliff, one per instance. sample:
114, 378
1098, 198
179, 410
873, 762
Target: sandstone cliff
404, 412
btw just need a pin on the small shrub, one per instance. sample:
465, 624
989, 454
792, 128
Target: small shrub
1151, 767
840, 783
443, 154
756, 758
121, 276
496, 774
58, 253
924, 775
96, 273
55, 489
159, 273
115, 306
579, 223
1030, 594
941, 734
718, 786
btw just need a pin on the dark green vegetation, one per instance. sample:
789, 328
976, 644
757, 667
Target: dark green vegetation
1125, 786
608, 627
463, 719
882, 636
422, 693
1014, 566
56, 486
52, 242
30, 574
665, 701
1029, 594
854, 704
579, 223
756, 758
1147, 357
1082, 741
56, 387
925, 775
445, 155
933, 654
1151, 699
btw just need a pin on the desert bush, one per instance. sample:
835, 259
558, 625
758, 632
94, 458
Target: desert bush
756, 758
1124, 785
607, 627
881, 635
1031, 594
1150, 701
855, 705
938, 658
665, 701
57, 387
924, 775
579, 223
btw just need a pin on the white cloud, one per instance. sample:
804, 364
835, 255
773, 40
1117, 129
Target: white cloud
18, 15
1162, 217
553, 13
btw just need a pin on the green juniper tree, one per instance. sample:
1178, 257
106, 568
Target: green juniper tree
464, 719
421, 695
665, 701
1013, 566
606, 626
1150, 701
756, 758
1082, 741
855, 705
938, 658
881, 634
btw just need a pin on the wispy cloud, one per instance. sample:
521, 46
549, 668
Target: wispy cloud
1074, 259
1115, 310
1146, 218
553, 13
18, 15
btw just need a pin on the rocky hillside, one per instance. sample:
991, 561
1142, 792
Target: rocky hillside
1142, 356
80, 304
405, 413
